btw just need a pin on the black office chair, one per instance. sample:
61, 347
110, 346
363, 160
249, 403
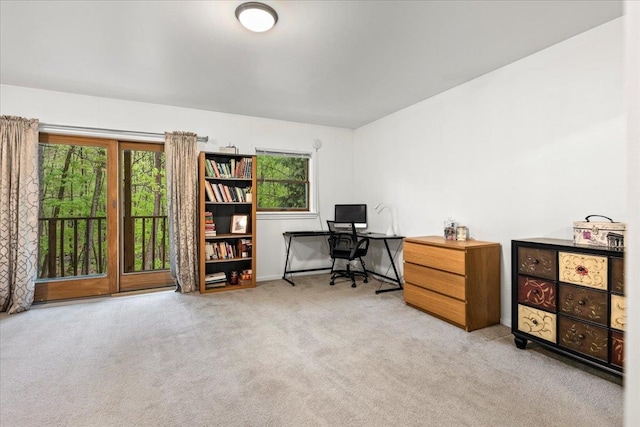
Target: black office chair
347, 245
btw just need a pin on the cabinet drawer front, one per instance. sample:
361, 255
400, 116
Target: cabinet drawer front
435, 280
440, 305
583, 303
583, 338
583, 269
617, 348
537, 262
617, 275
537, 292
430, 256
538, 323
618, 312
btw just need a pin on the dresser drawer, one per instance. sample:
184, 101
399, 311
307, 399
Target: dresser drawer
436, 280
617, 275
538, 323
583, 303
432, 302
617, 348
537, 292
537, 262
583, 269
618, 312
583, 338
435, 257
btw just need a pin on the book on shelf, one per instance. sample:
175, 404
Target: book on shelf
214, 168
209, 190
216, 191
208, 251
234, 168
208, 168
216, 277
215, 285
219, 281
209, 225
220, 250
227, 193
221, 193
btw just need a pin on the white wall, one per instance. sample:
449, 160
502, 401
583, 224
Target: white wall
520, 152
244, 132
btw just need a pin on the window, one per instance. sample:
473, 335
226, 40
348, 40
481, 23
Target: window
283, 181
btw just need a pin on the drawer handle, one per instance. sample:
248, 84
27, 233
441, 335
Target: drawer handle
534, 321
580, 336
535, 261
581, 302
536, 292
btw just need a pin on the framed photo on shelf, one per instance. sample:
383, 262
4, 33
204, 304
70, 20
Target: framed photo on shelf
239, 224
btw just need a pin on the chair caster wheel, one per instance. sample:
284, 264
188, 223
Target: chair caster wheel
353, 285
331, 283
366, 280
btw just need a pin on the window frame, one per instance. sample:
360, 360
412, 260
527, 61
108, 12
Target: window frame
293, 213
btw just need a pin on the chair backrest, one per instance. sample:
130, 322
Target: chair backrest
345, 243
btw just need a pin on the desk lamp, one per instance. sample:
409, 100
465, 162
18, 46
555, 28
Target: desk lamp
379, 208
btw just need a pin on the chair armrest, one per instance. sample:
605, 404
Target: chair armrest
361, 244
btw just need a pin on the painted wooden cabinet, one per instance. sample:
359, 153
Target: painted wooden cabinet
457, 281
570, 298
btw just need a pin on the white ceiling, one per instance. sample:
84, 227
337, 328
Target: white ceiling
338, 63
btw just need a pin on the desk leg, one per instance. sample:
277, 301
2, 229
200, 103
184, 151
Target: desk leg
287, 262
395, 271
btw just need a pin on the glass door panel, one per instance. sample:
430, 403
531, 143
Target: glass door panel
145, 238
77, 218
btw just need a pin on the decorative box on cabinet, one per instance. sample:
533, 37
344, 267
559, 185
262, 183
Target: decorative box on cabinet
225, 180
570, 299
457, 281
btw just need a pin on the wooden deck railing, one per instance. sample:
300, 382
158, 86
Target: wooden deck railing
77, 246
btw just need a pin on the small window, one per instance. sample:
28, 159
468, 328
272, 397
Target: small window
283, 181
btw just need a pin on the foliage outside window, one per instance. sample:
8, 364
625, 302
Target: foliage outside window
72, 218
283, 181
73, 209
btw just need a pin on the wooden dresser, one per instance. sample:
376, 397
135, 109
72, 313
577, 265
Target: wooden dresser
570, 298
457, 281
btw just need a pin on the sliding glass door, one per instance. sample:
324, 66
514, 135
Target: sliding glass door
102, 217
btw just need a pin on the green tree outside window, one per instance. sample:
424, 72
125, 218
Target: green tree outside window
283, 182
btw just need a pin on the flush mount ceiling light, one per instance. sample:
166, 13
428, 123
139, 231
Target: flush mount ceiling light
257, 17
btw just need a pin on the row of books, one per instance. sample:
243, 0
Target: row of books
217, 278
220, 279
217, 192
227, 250
209, 225
234, 168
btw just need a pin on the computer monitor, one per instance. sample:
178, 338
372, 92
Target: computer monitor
347, 214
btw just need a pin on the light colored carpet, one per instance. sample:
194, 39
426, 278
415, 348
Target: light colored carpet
278, 355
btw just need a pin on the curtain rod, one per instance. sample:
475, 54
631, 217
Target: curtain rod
113, 133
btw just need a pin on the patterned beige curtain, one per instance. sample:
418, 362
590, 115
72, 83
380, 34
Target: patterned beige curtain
19, 204
181, 160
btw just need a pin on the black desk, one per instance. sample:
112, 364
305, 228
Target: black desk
289, 235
